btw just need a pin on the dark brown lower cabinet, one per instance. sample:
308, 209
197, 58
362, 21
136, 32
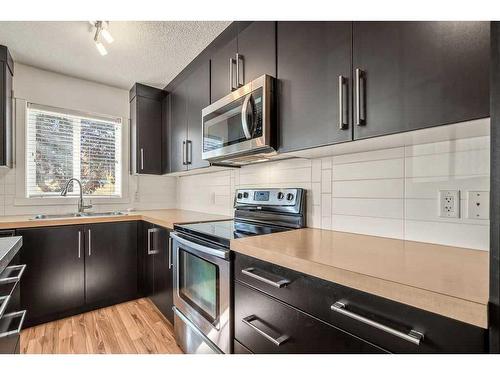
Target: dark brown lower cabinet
110, 262
265, 325
307, 300
157, 268
75, 268
54, 280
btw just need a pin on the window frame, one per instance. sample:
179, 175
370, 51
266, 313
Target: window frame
21, 109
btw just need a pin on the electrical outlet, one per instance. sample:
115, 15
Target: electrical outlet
449, 203
478, 205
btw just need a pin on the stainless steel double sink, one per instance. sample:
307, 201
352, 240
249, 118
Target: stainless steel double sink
78, 214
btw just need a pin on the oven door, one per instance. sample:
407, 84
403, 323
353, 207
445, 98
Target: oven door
240, 123
202, 287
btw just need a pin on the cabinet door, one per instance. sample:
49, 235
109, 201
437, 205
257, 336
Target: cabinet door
178, 127
257, 47
146, 259
162, 295
311, 57
220, 68
420, 74
149, 113
110, 262
199, 97
54, 278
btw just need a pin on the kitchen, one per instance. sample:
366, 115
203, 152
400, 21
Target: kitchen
257, 187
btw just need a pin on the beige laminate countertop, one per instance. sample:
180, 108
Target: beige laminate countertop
446, 280
165, 218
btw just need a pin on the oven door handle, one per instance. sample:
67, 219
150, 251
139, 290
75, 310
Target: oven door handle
219, 253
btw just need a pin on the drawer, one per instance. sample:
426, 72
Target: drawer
10, 328
375, 319
265, 325
10, 291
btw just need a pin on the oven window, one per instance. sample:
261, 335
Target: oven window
199, 284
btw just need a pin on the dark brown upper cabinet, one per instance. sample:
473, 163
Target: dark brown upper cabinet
416, 75
248, 51
314, 72
6, 75
187, 100
146, 129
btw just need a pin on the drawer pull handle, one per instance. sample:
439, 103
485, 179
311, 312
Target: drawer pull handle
251, 272
4, 300
281, 339
11, 279
14, 315
413, 336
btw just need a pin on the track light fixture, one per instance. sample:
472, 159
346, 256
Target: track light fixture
101, 29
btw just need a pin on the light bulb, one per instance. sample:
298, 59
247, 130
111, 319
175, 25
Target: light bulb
100, 47
107, 36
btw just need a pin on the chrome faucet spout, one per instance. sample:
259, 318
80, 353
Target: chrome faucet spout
81, 205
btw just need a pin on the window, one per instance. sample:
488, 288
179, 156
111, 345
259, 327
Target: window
61, 144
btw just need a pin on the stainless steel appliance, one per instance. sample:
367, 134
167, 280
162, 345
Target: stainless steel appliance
202, 264
241, 127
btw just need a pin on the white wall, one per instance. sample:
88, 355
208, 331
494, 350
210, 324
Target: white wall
390, 193
57, 90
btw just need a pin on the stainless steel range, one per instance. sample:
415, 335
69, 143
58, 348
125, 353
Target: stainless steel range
202, 264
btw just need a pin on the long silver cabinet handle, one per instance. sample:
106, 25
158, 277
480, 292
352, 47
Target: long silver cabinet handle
150, 250
251, 272
360, 93
170, 244
12, 279
238, 73
413, 336
22, 314
184, 153
231, 85
342, 120
90, 243
189, 152
142, 159
280, 340
79, 244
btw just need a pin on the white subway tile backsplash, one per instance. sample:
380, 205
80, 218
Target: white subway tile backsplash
390, 193
428, 187
326, 181
463, 163
452, 234
383, 188
366, 170
373, 207
390, 153
373, 226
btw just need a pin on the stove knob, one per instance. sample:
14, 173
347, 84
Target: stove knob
281, 195
240, 195
245, 195
289, 197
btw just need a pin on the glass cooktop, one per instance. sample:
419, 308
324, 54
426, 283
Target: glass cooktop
222, 232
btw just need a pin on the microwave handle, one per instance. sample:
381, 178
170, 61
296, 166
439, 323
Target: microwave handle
244, 116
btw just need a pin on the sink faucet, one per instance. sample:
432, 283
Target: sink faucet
81, 207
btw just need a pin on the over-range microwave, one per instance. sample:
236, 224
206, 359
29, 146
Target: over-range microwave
240, 128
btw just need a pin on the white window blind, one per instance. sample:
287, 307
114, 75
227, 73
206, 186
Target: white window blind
61, 144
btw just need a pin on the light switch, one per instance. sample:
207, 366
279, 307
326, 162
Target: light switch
478, 205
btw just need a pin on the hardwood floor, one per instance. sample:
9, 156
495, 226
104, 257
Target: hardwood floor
128, 328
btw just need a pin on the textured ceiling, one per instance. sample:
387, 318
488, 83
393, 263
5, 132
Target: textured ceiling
152, 53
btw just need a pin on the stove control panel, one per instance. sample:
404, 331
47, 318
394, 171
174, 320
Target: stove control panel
267, 197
